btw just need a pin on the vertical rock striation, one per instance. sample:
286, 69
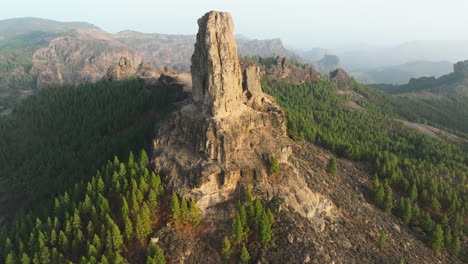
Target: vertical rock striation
223, 137
216, 75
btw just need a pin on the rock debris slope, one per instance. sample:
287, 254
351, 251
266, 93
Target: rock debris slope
222, 138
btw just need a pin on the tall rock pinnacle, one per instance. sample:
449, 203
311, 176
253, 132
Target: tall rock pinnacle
222, 138
216, 73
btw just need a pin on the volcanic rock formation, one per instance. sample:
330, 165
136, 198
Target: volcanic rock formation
282, 68
222, 139
339, 75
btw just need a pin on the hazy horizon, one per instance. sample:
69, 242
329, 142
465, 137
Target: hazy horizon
334, 24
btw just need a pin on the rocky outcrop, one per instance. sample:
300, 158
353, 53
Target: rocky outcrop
216, 74
81, 56
339, 76
124, 70
175, 50
461, 67
282, 68
220, 140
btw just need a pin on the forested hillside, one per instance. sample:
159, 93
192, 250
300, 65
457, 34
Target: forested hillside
441, 102
55, 141
418, 178
62, 135
94, 222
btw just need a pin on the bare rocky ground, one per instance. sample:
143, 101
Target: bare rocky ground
432, 131
350, 237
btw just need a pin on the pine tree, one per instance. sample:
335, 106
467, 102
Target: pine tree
383, 240
413, 193
274, 165
226, 250
456, 246
153, 199
265, 230
258, 206
237, 230
158, 256
448, 236
184, 210
104, 260
175, 206
143, 160
63, 242
143, 223
242, 214
90, 229
128, 228
388, 198
244, 255
378, 192
10, 258
113, 237
404, 210
436, 239
248, 195
97, 243
435, 204
331, 166
194, 213
25, 258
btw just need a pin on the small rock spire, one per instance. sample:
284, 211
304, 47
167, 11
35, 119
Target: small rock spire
216, 72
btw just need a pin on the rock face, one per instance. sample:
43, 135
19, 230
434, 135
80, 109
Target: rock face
283, 68
461, 67
222, 139
81, 56
125, 70
216, 75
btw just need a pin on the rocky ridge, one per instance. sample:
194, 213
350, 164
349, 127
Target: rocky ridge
282, 68
82, 56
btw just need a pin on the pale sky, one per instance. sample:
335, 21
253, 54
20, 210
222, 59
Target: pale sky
299, 23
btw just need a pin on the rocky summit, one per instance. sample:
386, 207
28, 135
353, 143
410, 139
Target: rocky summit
222, 139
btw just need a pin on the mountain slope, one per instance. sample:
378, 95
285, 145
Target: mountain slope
36, 52
10, 28
79, 57
62, 135
442, 102
401, 74
250, 178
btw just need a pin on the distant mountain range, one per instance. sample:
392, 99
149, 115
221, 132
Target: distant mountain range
423, 50
37, 52
401, 74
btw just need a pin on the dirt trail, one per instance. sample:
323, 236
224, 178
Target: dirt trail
432, 131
